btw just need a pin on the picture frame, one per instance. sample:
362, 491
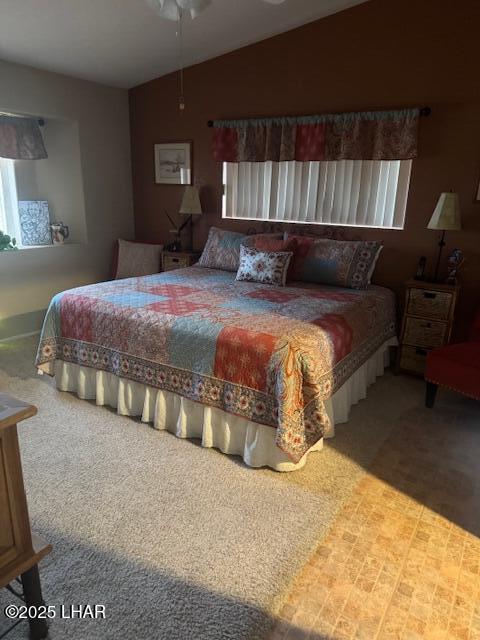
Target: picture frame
173, 163
34, 218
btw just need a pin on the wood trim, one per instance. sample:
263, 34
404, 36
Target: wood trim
20, 550
16, 491
13, 411
25, 562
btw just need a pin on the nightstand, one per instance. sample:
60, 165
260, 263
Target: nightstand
178, 259
427, 322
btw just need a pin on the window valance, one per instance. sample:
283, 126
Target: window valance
367, 135
21, 138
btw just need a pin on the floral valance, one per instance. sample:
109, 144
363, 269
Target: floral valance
21, 138
367, 135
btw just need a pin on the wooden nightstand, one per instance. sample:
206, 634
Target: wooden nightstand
427, 322
178, 259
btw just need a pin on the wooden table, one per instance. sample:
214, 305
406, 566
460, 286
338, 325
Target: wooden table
20, 551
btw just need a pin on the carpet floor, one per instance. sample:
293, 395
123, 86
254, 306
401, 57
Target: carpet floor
176, 541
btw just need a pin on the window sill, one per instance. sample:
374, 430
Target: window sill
41, 247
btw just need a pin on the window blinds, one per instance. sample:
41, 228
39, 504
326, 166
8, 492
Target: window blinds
365, 193
9, 222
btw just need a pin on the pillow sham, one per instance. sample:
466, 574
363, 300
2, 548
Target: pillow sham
341, 263
222, 250
268, 242
266, 267
132, 259
253, 240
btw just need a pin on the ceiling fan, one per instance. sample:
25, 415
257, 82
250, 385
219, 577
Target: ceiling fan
173, 9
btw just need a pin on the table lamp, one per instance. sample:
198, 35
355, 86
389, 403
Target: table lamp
446, 217
190, 206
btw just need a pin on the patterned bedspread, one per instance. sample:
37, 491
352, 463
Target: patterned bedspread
270, 354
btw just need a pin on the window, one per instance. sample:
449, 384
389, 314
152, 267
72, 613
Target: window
361, 193
8, 200
27, 184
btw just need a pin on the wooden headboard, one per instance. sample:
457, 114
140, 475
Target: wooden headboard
321, 231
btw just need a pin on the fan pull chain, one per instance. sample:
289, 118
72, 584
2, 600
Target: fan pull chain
181, 97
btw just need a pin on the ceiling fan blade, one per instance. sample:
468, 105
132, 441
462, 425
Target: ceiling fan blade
194, 6
170, 9
167, 9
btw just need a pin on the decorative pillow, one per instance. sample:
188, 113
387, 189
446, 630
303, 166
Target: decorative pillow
276, 243
267, 267
222, 250
254, 239
268, 242
342, 263
137, 259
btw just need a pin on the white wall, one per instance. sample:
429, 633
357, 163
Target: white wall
58, 178
29, 277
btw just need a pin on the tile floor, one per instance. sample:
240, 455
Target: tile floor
402, 559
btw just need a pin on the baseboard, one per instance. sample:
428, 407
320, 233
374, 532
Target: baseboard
25, 324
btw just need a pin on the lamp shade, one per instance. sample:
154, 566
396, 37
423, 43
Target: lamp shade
446, 216
191, 202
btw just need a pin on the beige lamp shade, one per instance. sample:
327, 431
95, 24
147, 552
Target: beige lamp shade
446, 216
191, 202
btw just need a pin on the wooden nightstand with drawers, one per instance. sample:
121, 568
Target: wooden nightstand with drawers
427, 322
178, 259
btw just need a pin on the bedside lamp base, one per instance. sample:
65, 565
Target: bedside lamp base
441, 244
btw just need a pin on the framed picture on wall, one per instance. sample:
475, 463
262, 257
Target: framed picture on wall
173, 163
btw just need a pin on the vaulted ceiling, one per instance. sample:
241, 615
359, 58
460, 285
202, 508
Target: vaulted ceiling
124, 43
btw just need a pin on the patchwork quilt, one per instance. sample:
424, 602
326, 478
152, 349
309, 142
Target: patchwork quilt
270, 354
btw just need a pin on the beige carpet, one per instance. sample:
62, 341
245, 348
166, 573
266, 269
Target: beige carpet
177, 541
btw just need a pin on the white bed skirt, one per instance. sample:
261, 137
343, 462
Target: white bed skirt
184, 418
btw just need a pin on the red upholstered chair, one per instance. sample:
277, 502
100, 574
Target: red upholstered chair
456, 366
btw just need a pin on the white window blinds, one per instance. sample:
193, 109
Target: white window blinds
9, 222
363, 193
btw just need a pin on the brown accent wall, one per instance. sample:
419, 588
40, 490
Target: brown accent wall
379, 55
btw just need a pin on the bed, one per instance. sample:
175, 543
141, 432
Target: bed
255, 370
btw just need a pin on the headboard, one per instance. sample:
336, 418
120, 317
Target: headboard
321, 231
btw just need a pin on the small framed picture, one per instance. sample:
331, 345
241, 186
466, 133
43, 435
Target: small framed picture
34, 223
173, 162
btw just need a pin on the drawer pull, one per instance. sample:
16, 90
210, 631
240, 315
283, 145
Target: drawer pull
420, 352
175, 259
429, 294
427, 325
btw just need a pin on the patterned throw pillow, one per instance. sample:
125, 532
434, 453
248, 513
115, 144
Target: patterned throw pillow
276, 243
341, 263
222, 250
267, 267
136, 259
